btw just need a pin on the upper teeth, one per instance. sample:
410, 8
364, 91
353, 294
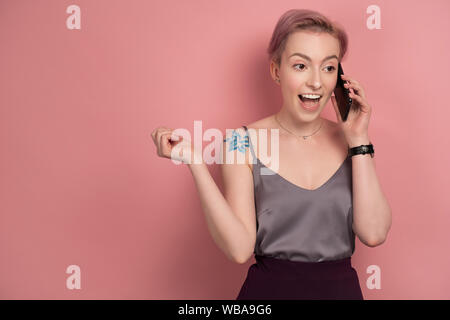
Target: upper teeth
311, 96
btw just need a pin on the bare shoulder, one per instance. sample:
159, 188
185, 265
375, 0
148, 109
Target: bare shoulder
261, 123
234, 150
264, 123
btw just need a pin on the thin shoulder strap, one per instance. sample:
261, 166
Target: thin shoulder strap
250, 143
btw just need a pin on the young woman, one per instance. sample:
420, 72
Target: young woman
301, 220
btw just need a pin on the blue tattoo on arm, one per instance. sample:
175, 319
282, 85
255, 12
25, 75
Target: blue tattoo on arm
237, 142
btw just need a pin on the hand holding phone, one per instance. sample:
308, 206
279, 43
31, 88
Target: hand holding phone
341, 93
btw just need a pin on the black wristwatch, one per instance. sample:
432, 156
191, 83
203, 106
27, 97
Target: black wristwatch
363, 149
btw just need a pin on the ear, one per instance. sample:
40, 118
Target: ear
274, 69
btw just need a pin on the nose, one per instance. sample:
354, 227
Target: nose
314, 80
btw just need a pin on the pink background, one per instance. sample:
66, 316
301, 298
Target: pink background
80, 179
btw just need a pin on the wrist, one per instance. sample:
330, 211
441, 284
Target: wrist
196, 167
194, 158
361, 146
356, 142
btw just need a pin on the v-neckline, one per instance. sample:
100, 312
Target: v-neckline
304, 189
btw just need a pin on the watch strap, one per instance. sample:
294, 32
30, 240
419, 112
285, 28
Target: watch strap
362, 149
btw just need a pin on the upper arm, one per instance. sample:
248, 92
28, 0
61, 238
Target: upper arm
238, 184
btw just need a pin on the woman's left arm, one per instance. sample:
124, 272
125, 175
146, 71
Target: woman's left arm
372, 216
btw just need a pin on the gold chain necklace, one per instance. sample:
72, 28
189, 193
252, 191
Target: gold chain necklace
304, 137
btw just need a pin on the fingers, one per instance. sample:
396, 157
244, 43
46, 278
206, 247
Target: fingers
354, 86
361, 104
359, 99
161, 137
348, 78
355, 89
159, 129
158, 140
166, 147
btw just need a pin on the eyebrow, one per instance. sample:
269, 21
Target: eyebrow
309, 59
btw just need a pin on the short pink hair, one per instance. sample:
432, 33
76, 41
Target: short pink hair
303, 19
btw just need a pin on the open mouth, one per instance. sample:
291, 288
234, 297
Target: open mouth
310, 100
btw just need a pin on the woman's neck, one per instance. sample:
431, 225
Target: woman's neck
298, 127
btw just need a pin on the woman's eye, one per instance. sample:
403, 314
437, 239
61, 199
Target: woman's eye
301, 64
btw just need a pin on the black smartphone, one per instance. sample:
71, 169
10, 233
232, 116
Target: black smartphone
341, 93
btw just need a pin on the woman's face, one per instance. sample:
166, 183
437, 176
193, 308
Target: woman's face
300, 75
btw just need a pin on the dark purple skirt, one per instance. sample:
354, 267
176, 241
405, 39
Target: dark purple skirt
272, 278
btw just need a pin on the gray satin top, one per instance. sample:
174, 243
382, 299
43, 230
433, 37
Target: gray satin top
300, 224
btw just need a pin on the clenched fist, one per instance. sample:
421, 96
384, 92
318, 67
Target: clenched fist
165, 142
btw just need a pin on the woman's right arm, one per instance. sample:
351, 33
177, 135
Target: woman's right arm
231, 218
